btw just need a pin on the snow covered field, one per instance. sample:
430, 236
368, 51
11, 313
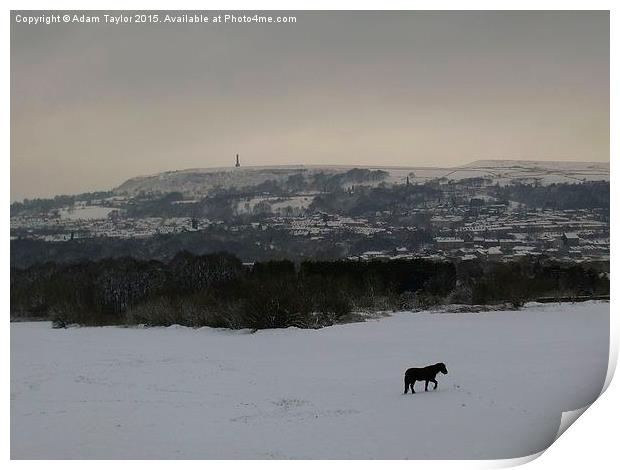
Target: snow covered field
331, 393
85, 213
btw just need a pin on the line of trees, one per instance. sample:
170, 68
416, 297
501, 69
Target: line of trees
585, 195
43, 206
217, 290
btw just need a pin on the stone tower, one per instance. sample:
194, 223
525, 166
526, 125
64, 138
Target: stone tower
237, 164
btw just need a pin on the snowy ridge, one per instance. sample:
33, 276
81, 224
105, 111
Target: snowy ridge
203, 180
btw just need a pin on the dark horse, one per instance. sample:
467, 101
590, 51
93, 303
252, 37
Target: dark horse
426, 374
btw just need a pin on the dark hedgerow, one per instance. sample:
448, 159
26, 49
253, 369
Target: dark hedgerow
217, 290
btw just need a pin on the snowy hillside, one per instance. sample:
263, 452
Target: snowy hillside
194, 182
503, 171
332, 393
202, 181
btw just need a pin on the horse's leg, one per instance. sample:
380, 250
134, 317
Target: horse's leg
426, 386
406, 386
435, 382
412, 386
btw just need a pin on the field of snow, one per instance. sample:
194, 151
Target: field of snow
504, 172
333, 393
85, 213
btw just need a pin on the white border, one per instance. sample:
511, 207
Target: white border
590, 443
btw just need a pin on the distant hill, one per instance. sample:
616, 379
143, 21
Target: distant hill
203, 181
193, 182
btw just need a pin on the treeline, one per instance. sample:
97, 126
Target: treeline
560, 196
520, 282
322, 181
217, 290
366, 201
45, 205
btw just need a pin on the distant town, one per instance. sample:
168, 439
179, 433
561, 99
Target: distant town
491, 211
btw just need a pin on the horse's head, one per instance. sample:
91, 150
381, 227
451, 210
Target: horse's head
442, 367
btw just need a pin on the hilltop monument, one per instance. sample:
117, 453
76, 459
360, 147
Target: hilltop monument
237, 165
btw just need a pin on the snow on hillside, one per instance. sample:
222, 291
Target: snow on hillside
195, 182
85, 212
202, 181
333, 393
544, 172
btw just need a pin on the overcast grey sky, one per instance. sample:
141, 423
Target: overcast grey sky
92, 105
